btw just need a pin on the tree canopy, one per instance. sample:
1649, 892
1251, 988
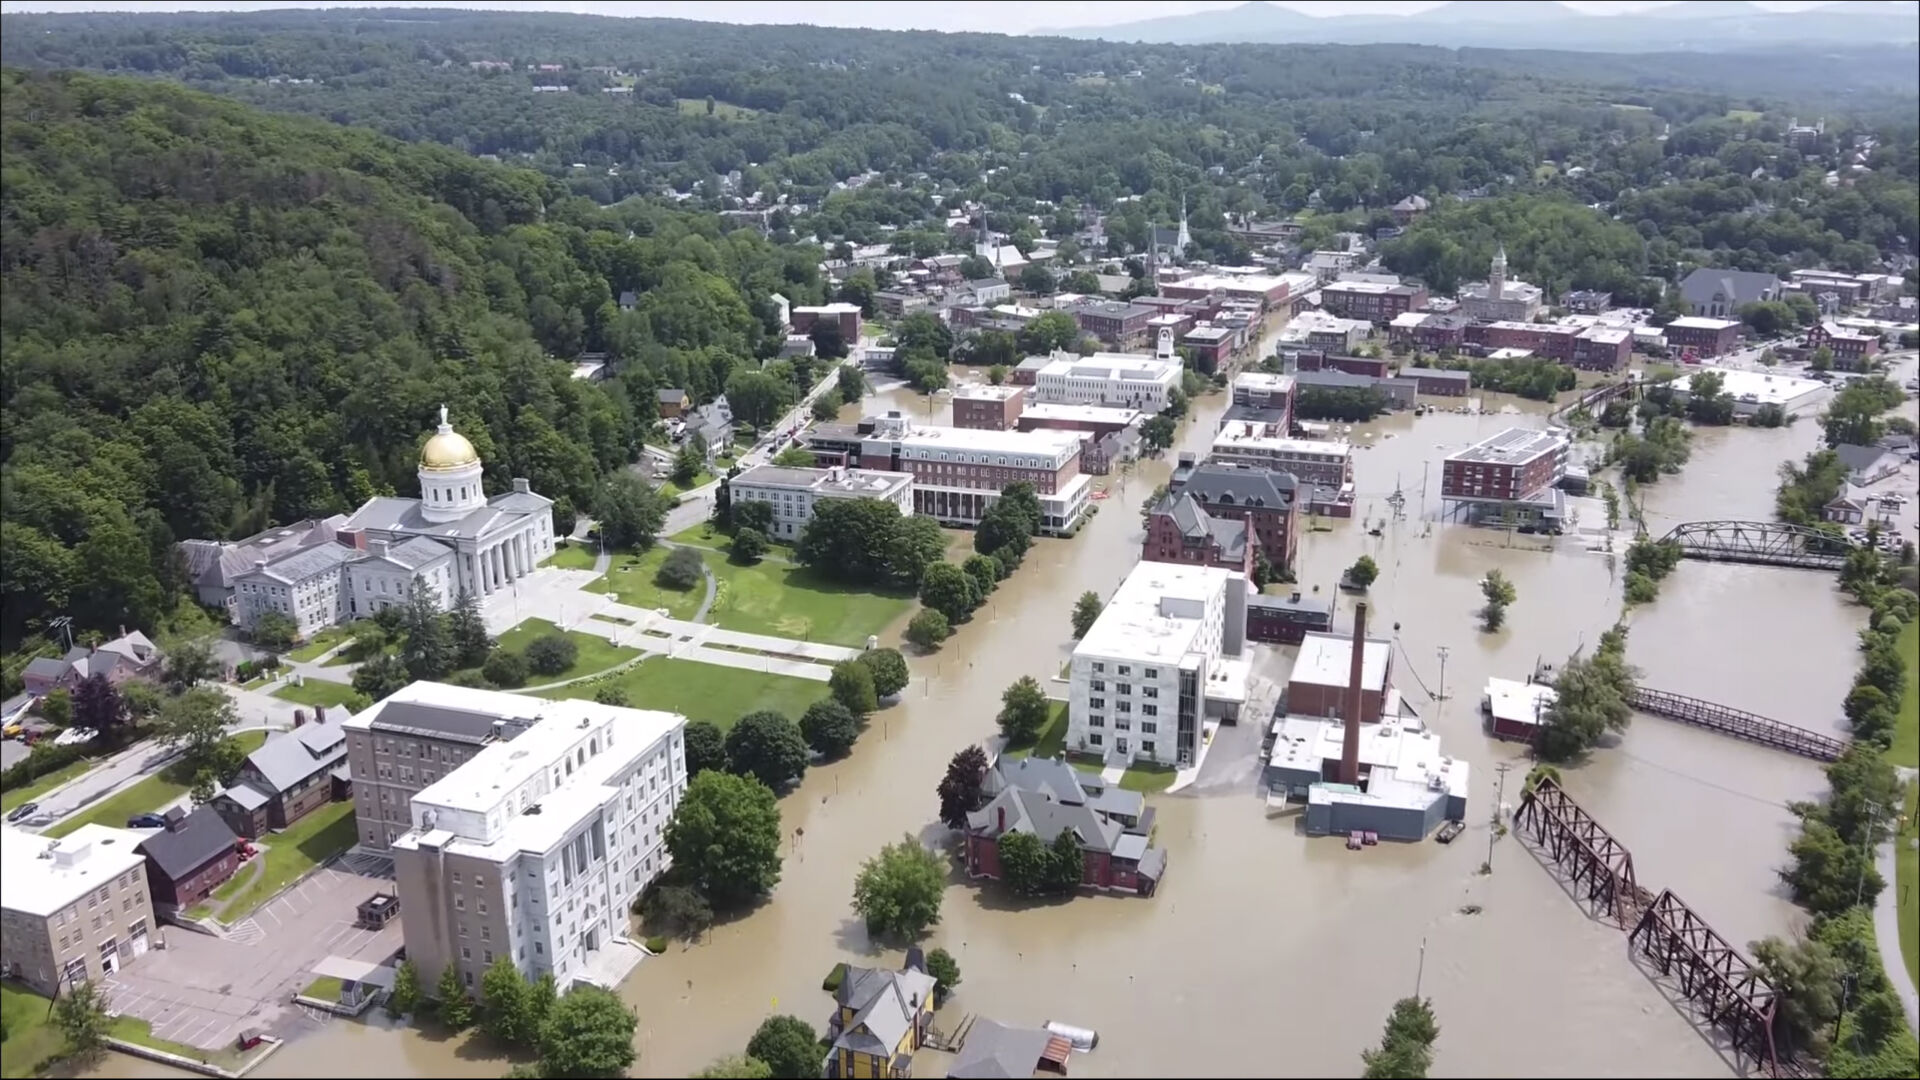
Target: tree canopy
725, 836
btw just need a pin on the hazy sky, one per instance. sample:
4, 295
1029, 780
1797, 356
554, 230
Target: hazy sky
1003, 17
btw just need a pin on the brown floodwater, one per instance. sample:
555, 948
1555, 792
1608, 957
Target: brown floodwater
1266, 953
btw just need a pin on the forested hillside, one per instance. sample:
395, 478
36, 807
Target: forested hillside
214, 319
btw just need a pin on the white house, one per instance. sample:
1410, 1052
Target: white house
1165, 647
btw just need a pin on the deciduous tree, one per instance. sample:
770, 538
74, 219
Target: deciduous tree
1023, 711
80, 1014
898, 891
829, 727
928, 628
630, 513
450, 1000
949, 590
551, 654
945, 971
725, 836
589, 1034
767, 746
706, 747
749, 546
889, 670
851, 684
1499, 592
789, 1047
1086, 611
506, 1005
960, 789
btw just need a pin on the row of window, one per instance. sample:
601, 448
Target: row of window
1121, 723
1100, 668
1123, 689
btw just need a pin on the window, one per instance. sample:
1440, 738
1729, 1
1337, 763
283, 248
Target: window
1123, 689
1126, 669
463, 929
1146, 710
489, 956
459, 903
1096, 721
1093, 739
1148, 727
1125, 706
539, 949
466, 953
1098, 685
469, 977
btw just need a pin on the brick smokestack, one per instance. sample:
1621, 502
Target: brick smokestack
1356, 672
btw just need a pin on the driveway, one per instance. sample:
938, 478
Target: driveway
204, 991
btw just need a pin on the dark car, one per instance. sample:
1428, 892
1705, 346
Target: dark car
146, 821
25, 809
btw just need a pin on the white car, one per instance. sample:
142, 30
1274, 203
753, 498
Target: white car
74, 736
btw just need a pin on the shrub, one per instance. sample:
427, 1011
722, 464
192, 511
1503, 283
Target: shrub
506, 669
928, 629
551, 654
682, 569
657, 944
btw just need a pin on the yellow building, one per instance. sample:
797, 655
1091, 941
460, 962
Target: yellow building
880, 1018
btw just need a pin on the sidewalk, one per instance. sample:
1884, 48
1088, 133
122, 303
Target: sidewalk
1886, 925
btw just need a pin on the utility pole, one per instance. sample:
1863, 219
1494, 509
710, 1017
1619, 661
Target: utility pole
1493, 831
1866, 851
1443, 650
1420, 972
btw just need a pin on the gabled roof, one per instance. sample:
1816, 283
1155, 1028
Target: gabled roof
301, 565
415, 552
1194, 523
1033, 812
199, 838
1858, 458
1224, 484
45, 667
1738, 286
884, 1005
292, 756
994, 1050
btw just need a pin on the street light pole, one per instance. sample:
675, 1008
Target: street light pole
1443, 650
1866, 851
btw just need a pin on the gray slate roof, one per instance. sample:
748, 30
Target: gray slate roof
292, 756
199, 838
1226, 484
391, 513
45, 667
1334, 379
1740, 286
455, 725
1859, 458
1195, 523
215, 563
884, 1005
994, 1050
1436, 373
301, 565
416, 552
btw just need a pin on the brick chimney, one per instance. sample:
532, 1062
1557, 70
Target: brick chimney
299, 717
1001, 811
1356, 673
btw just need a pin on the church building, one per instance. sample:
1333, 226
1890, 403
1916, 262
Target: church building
453, 537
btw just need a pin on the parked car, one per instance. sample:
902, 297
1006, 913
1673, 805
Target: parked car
24, 810
146, 821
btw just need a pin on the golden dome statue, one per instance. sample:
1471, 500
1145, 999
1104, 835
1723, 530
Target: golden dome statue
447, 450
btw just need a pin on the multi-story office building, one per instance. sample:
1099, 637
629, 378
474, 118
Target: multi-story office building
1374, 301
536, 848
1704, 336
414, 737
959, 472
1603, 348
1123, 380
74, 909
992, 408
1116, 322
1317, 461
1159, 658
1514, 466
793, 492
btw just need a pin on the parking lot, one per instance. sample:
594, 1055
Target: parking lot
204, 991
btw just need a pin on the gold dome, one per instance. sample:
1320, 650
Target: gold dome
447, 449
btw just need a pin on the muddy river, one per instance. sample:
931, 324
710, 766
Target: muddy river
1265, 953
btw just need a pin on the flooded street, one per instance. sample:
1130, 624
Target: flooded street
1265, 953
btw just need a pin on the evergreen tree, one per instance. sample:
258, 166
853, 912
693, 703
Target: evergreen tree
467, 631
451, 1003
428, 651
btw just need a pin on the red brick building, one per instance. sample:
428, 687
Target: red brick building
1046, 797
1512, 466
1115, 322
1210, 346
1287, 620
1267, 500
1704, 336
1429, 331
1323, 669
1603, 348
1542, 339
1352, 365
1850, 347
847, 316
1180, 531
190, 857
1437, 382
991, 408
1371, 300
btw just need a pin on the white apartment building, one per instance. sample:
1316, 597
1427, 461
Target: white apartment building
959, 472
1323, 462
72, 910
1163, 651
538, 845
793, 492
1122, 380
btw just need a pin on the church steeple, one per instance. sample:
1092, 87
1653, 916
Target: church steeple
1183, 238
1497, 276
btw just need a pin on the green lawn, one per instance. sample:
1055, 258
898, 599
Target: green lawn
326, 988
319, 643
698, 107
703, 535
1148, 779
794, 602
1906, 734
286, 855
1053, 737
31, 1037
134, 1030
147, 795
671, 489
596, 654
709, 692
572, 557
29, 792
630, 581
316, 692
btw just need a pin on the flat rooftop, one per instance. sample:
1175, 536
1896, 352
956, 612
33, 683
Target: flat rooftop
1378, 288
1235, 436
1514, 446
876, 483
1050, 442
1262, 382
1405, 764
40, 875
1754, 386
1156, 613
1518, 702
1113, 367
1607, 335
1327, 659
1086, 414
1701, 322
1208, 333
984, 392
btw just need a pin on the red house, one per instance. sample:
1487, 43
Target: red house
1850, 347
1047, 797
189, 858
1514, 710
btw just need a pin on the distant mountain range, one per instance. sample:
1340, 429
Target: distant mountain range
1698, 25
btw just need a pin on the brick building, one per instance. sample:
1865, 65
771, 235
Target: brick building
1703, 335
1429, 331
1374, 301
1602, 348
1116, 322
989, 408
846, 316
1352, 365
1513, 466
1266, 499
1180, 531
1851, 347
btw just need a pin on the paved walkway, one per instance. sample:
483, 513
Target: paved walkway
1886, 924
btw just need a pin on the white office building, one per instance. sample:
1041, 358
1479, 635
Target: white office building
1162, 656
1324, 462
1120, 380
794, 492
536, 847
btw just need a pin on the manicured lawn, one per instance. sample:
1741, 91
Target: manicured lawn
319, 643
1906, 882
700, 479
709, 692
311, 841
147, 795
1053, 737
698, 107
31, 1036
596, 654
703, 535
1148, 779
32, 791
794, 602
1906, 734
630, 581
572, 557
316, 692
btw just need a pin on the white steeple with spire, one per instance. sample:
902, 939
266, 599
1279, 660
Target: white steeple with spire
1497, 275
1183, 238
